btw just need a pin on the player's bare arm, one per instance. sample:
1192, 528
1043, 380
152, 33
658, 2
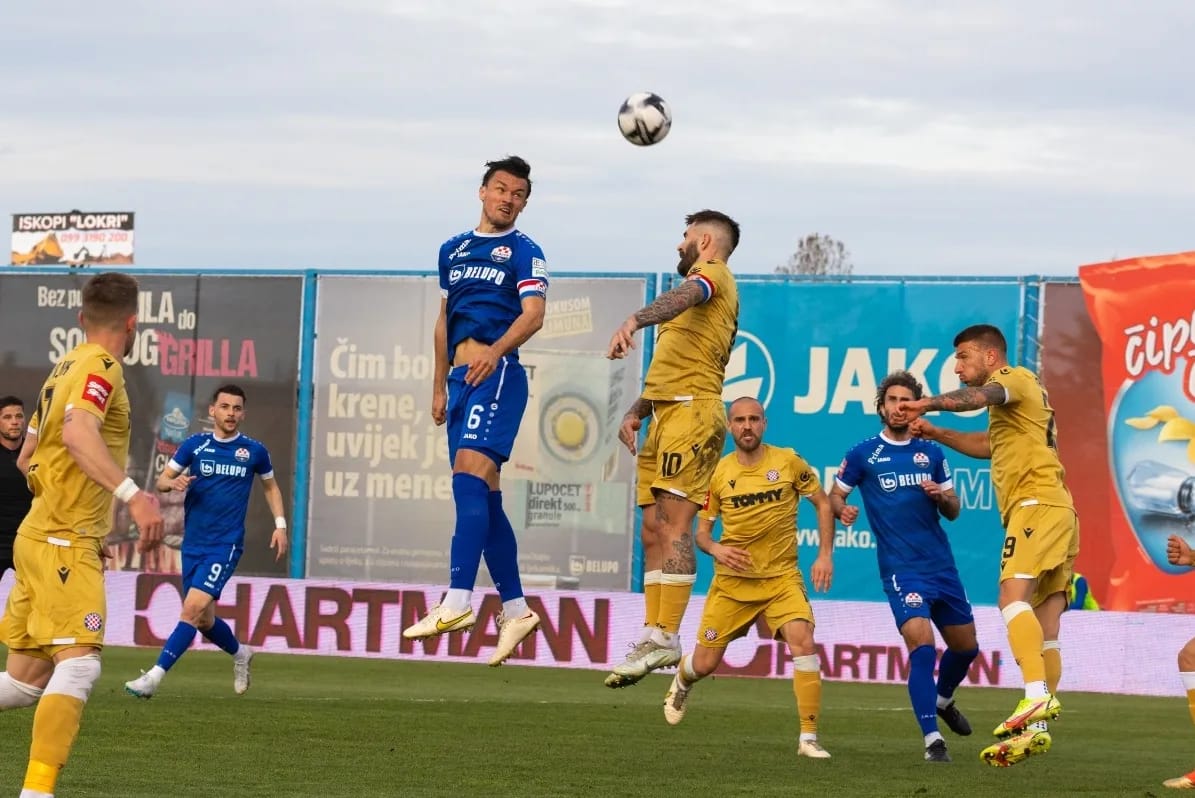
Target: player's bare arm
972, 444
844, 512
632, 422
947, 500
440, 372
666, 306
960, 401
82, 439
279, 540
485, 360
1178, 552
172, 479
26, 453
822, 571
733, 558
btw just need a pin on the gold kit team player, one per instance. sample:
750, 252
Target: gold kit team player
74, 456
683, 395
756, 490
1041, 528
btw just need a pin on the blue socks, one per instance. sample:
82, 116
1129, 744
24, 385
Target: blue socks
472, 497
953, 670
176, 645
221, 634
922, 691
502, 551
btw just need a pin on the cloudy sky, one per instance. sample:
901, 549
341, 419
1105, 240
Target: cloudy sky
969, 137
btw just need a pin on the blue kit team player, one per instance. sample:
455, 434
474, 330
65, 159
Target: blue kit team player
906, 485
493, 284
222, 466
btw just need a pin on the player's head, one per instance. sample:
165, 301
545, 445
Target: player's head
709, 235
747, 423
979, 351
227, 408
110, 308
12, 418
505, 189
897, 387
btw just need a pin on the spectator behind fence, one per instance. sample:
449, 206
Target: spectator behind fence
15, 496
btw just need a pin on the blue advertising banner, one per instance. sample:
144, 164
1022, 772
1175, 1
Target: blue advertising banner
813, 354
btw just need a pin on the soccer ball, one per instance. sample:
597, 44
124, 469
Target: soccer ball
644, 119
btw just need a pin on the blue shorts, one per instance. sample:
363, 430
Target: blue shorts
486, 417
208, 569
940, 598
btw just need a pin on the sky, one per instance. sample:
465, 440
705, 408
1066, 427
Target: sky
966, 138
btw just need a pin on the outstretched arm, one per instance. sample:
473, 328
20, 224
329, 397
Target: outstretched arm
972, 444
667, 305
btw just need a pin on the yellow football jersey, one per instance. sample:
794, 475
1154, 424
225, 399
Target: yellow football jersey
1024, 441
689, 360
758, 505
66, 502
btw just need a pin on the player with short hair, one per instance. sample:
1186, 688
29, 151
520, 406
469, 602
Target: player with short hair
217, 470
906, 487
1178, 552
1038, 515
756, 489
683, 395
74, 454
15, 497
494, 284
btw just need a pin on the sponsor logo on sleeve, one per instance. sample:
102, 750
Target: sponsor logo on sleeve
97, 390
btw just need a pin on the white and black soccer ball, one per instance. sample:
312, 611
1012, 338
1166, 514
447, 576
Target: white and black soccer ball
644, 119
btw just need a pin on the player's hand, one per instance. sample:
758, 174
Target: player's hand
1178, 551
181, 482
913, 408
439, 405
734, 559
933, 490
628, 432
482, 365
822, 572
623, 340
920, 428
281, 542
850, 514
147, 515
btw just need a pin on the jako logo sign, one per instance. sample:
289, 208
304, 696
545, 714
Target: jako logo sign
749, 371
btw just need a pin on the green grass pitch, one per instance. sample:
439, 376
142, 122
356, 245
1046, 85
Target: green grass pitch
326, 727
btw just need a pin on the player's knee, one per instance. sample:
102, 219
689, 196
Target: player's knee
75, 677
706, 660
17, 695
193, 615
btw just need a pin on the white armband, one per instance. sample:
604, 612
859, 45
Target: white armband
279, 522
126, 490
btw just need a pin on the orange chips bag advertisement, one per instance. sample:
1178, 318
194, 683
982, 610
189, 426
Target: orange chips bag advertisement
1132, 423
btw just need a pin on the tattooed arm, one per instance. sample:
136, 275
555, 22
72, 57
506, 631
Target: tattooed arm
667, 305
632, 422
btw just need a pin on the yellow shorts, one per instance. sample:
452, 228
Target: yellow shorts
683, 446
58, 600
734, 602
1042, 543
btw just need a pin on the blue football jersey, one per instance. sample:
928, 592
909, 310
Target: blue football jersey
485, 278
904, 519
218, 499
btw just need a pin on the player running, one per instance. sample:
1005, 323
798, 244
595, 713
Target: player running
1042, 530
905, 484
494, 282
756, 490
683, 395
222, 465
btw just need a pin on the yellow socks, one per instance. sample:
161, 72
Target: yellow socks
1051, 653
1025, 639
651, 597
675, 590
807, 687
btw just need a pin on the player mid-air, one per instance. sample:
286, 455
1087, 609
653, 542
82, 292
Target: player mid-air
494, 284
222, 466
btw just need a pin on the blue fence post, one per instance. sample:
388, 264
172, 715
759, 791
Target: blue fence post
306, 397
1031, 320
